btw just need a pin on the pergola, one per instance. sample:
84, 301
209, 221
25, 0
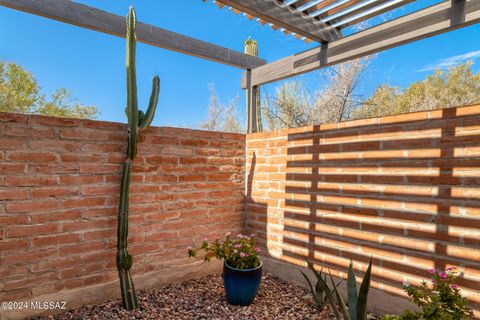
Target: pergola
321, 21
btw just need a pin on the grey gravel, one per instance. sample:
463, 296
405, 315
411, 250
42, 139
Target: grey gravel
204, 298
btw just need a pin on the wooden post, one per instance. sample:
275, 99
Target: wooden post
254, 119
252, 109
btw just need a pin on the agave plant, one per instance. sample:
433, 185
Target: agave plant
137, 121
321, 292
357, 302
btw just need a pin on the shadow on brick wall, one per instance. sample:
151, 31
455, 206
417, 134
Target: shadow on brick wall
405, 192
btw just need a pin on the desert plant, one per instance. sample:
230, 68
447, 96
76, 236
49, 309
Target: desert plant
440, 299
357, 302
321, 293
239, 252
137, 121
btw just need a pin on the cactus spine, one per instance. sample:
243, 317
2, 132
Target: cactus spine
251, 48
137, 121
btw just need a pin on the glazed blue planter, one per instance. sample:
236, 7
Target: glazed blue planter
241, 286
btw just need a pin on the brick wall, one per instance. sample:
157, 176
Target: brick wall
403, 189
59, 189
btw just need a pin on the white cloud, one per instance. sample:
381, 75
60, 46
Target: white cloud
451, 61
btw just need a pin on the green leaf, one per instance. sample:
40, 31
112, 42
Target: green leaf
328, 291
352, 292
314, 294
341, 302
363, 294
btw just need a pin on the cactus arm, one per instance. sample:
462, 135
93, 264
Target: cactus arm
152, 106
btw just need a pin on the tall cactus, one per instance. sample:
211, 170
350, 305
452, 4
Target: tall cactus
137, 121
251, 48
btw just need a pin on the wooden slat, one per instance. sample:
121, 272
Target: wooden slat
334, 9
354, 10
424, 23
347, 22
102, 21
285, 18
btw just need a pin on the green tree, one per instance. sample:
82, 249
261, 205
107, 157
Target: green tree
20, 93
457, 86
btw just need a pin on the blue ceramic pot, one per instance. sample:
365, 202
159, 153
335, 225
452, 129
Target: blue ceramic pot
241, 286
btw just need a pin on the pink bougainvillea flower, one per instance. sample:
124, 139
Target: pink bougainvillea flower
443, 275
237, 245
431, 271
257, 249
242, 254
228, 234
205, 239
454, 286
240, 235
252, 235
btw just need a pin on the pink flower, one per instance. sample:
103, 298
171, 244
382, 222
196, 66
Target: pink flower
252, 235
243, 255
205, 239
454, 286
443, 275
257, 249
228, 234
431, 271
239, 236
237, 245
450, 269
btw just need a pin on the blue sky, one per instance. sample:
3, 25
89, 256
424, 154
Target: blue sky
92, 64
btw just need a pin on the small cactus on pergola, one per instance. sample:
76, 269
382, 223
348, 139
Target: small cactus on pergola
137, 121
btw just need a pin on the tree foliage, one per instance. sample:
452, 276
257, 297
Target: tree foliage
457, 86
293, 105
221, 117
337, 99
21, 93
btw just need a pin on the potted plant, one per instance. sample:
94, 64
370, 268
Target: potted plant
242, 269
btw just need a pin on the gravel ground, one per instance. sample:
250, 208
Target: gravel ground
205, 299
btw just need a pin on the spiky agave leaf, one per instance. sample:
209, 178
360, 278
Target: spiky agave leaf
341, 302
316, 299
361, 311
327, 290
352, 292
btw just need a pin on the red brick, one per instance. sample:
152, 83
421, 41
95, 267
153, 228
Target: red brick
33, 206
80, 180
6, 245
48, 192
12, 168
24, 156
55, 240
13, 194
31, 230
30, 181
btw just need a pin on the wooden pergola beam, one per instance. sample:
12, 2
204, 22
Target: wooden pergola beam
102, 21
434, 20
283, 17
